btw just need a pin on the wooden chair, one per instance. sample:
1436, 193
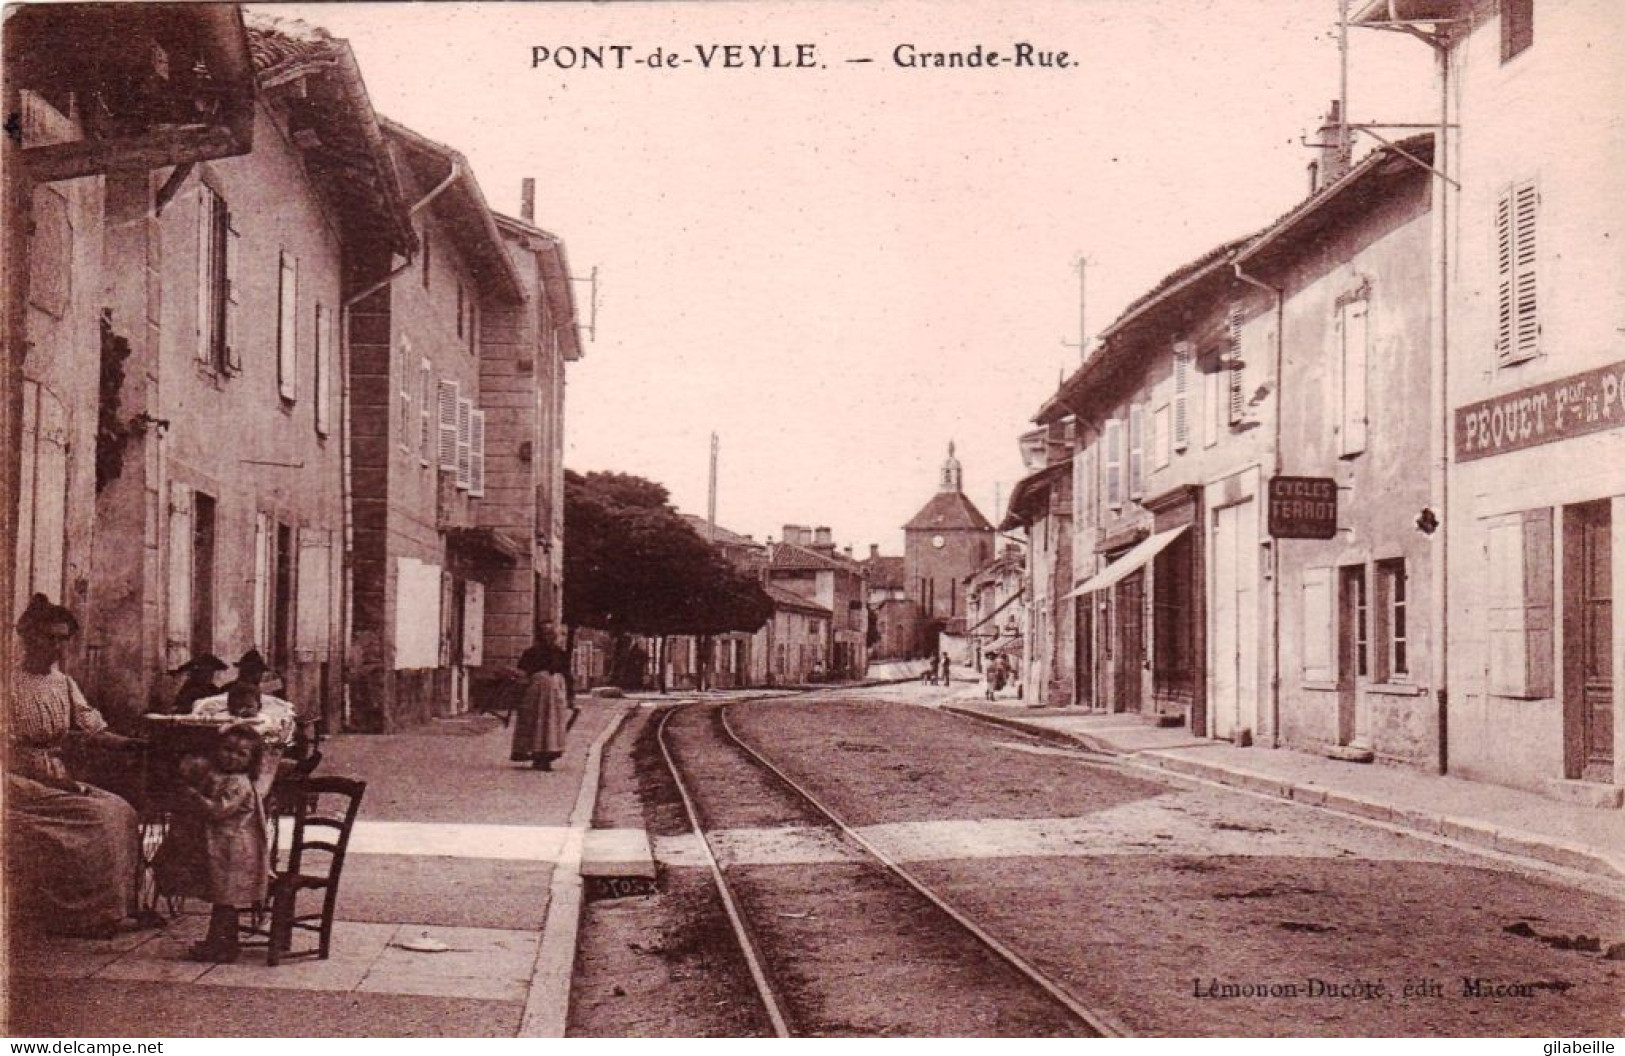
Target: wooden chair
324, 811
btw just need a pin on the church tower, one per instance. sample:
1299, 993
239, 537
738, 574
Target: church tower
943, 543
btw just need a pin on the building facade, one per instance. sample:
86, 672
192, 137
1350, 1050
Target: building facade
944, 542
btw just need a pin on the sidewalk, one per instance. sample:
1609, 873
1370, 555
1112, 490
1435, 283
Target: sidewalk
454, 843
1508, 820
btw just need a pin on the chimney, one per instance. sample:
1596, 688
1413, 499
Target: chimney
822, 538
1334, 154
527, 200
847, 550
874, 551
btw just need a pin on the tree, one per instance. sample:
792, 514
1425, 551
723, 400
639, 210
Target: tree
633, 566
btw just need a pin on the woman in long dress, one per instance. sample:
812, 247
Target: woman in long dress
540, 721
74, 850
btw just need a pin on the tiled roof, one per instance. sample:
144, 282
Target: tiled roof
790, 557
948, 510
883, 571
789, 599
280, 44
723, 535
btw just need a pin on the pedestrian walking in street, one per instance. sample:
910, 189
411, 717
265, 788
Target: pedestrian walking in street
990, 676
931, 671
541, 719
216, 848
947, 669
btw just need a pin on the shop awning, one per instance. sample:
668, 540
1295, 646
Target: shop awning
1135, 559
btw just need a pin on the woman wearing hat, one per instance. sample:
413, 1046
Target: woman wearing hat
74, 849
199, 683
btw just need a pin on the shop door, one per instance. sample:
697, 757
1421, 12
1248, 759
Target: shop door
1234, 642
1083, 655
1130, 641
1353, 657
1589, 625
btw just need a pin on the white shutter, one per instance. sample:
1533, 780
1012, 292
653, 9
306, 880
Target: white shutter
1507, 662
42, 522
1114, 462
1162, 435
1525, 207
1319, 629
426, 427
205, 270
1182, 385
465, 424
447, 406
178, 620
403, 371
1136, 448
1236, 373
324, 385
261, 577
287, 362
476, 454
473, 624
234, 352
315, 606
1356, 332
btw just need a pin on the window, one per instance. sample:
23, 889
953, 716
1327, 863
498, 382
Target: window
404, 372
1517, 336
203, 536
459, 308
1235, 374
1216, 407
1114, 463
1517, 27
1136, 449
1355, 332
446, 405
1394, 659
324, 370
287, 331
1162, 435
476, 454
428, 257
427, 426
179, 623
1182, 385
217, 281
1358, 634
1520, 580
473, 324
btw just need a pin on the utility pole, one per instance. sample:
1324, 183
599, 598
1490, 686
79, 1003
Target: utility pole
1082, 264
711, 502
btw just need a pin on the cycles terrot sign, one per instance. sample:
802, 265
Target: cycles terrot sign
1303, 508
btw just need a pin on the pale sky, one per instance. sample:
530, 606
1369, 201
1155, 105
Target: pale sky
840, 269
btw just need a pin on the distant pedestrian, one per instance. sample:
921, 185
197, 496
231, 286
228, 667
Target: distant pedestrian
542, 717
947, 669
931, 671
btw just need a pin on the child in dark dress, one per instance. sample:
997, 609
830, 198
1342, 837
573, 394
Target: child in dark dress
217, 848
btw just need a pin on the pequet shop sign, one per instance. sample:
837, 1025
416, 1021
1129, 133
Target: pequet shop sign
1557, 410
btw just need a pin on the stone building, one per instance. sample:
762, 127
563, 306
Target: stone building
944, 542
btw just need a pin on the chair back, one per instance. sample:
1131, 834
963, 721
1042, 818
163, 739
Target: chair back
324, 813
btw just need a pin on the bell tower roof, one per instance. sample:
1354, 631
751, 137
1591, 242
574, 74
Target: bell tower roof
953, 475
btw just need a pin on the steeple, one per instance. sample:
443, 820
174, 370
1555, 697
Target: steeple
953, 477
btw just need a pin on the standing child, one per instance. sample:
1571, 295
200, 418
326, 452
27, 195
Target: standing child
216, 848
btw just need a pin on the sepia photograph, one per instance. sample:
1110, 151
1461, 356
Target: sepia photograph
859, 519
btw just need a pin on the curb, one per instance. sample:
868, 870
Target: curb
547, 1005
1464, 830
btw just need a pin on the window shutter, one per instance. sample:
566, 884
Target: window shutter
1136, 448
426, 422
403, 369
447, 406
1162, 435
1538, 603
1356, 358
288, 326
1517, 336
324, 370
178, 627
1182, 385
314, 606
448, 613
1235, 368
262, 580
205, 270
1114, 462
465, 425
476, 454
473, 623
1318, 626
231, 292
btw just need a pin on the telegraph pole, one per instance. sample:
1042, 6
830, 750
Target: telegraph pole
1082, 264
711, 502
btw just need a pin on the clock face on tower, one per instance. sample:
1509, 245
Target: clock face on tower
938, 541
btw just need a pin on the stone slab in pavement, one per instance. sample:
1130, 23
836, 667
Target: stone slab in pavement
1508, 820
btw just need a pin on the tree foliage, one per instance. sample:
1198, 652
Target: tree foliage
633, 566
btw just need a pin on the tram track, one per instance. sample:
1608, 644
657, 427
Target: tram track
840, 938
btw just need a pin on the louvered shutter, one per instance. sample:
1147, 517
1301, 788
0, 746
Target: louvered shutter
324, 370
1525, 207
178, 622
1234, 373
476, 454
1182, 386
426, 423
403, 372
1114, 462
1136, 448
447, 407
465, 428
205, 272
287, 346
230, 290
1503, 273
261, 577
